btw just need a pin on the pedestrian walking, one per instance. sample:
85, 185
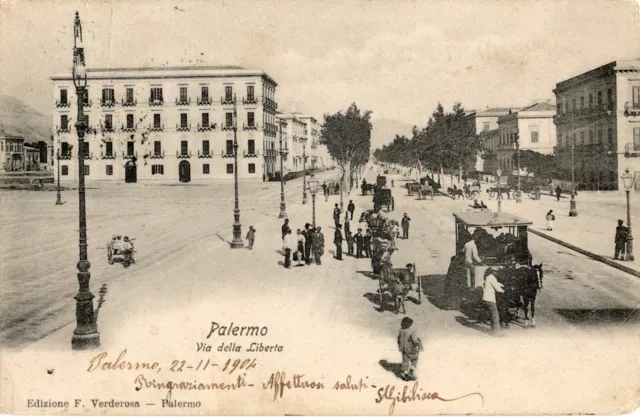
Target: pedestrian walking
491, 287
326, 192
359, 243
336, 215
337, 240
308, 243
391, 183
470, 257
366, 244
289, 246
324, 188
558, 192
347, 225
350, 241
251, 237
550, 219
318, 245
405, 226
410, 347
299, 257
285, 228
620, 241
351, 208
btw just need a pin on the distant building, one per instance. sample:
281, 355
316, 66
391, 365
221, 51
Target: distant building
482, 123
12, 152
535, 131
169, 124
598, 125
491, 142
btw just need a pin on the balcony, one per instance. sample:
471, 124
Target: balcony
228, 154
183, 127
205, 155
249, 127
314, 145
88, 103
129, 129
227, 100
270, 104
104, 155
184, 154
157, 155
183, 101
207, 127
66, 104
631, 109
156, 102
227, 127
204, 101
106, 128
65, 156
66, 129
250, 100
129, 103
107, 103
128, 156
156, 128
630, 151
252, 153
88, 156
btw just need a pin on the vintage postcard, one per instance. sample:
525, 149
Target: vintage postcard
297, 207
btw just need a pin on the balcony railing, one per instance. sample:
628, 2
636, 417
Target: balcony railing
65, 156
204, 101
129, 129
128, 103
314, 145
63, 104
205, 155
208, 127
66, 129
183, 156
156, 128
227, 154
183, 127
631, 109
253, 153
227, 127
270, 104
104, 155
183, 101
249, 127
128, 156
270, 128
156, 102
227, 100
106, 128
157, 155
250, 100
107, 103
88, 156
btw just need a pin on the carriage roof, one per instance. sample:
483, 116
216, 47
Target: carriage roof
490, 219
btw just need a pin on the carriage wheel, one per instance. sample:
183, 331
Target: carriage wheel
474, 194
532, 195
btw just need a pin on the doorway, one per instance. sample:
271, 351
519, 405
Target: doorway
130, 173
184, 171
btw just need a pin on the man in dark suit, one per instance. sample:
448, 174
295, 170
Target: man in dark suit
308, 243
336, 215
337, 240
359, 243
351, 208
367, 244
621, 241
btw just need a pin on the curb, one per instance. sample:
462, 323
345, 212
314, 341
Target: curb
596, 257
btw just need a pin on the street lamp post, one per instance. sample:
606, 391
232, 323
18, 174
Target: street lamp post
628, 181
237, 227
58, 195
341, 190
304, 173
499, 172
85, 336
283, 205
313, 188
573, 211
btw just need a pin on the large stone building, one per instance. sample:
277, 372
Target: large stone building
482, 123
533, 127
16, 155
598, 125
169, 123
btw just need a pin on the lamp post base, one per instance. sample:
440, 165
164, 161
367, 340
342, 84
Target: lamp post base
89, 341
629, 246
283, 211
573, 212
237, 236
59, 200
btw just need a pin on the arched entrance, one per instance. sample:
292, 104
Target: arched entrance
130, 172
184, 171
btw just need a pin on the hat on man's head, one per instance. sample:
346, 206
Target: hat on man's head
406, 322
620, 221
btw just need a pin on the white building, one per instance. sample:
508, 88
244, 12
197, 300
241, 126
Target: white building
177, 122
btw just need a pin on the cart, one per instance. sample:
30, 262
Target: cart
471, 191
120, 249
399, 282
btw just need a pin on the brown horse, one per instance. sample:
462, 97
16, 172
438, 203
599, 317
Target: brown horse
520, 291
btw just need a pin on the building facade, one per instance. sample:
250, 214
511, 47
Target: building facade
169, 124
532, 127
483, 122
598, 126
490, 142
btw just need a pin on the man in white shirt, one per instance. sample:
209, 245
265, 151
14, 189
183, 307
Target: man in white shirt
471, 256
491, 286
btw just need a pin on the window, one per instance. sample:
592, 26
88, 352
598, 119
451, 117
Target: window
228, 93
157, 148
229, 119
229, 147
251, 119
65, 170
250, 93
85, 99
156, 121
85, 148
610, 96
599, 98
205, 168
636, 96
130, 148
108, 96
184, 148
108, 121
157, 169
610, 136
109, 169
205, 119
591, 137
1, 146
156, 95
591, 100
183, 120
86, 170
252, 168
252, 147
582, 102
86, 120
129, 121
65, 150
534, 137
582, 138
109, 148
63, 96
573, 104
129, 95
205, 147
229, 168
204, 90
183, 94
64, 122
636, 139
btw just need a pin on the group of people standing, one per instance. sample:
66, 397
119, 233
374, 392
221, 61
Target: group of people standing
361, 241
303, 246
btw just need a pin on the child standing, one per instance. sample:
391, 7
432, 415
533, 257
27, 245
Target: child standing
410, 346
251, 236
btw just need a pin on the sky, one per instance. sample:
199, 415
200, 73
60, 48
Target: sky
395, 58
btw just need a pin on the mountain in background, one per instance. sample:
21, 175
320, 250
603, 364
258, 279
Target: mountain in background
384, 131
20, 119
